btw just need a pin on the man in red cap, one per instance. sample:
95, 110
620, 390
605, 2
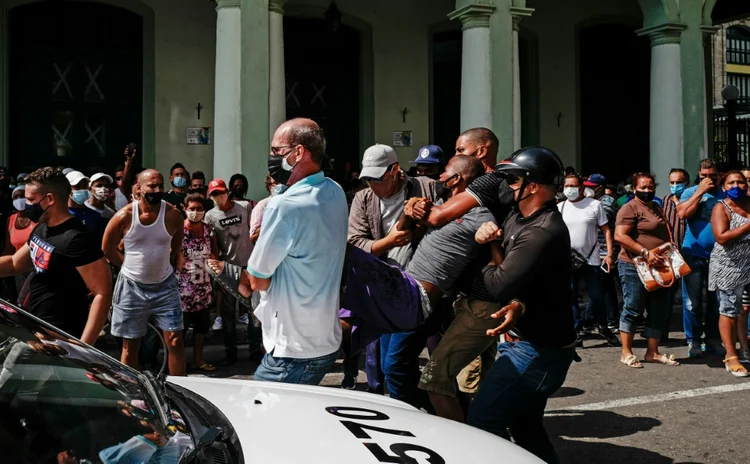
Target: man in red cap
230, 221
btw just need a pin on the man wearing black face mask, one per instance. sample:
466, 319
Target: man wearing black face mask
151, 231
66, 260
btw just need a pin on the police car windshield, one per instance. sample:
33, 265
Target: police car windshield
62, 401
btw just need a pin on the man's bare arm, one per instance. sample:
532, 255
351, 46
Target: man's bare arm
174, 223
98, 279
113, 235
17, 263
454, 208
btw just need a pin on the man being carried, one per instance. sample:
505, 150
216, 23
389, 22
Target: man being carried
147, 286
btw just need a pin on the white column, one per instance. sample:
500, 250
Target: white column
277, 78
227, 135
476, 91
518, 15
666, 118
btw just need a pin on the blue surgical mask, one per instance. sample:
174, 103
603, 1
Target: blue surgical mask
736, 193
279, 189
677, 189
179, 182
79, 196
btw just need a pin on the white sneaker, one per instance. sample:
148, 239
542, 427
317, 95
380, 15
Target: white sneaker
218, 324
244, 319
695, 349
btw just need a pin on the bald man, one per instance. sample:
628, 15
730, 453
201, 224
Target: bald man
151, 231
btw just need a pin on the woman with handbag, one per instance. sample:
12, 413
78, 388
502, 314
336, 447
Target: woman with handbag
729, 268
640, 229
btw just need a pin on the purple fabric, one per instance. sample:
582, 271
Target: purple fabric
379, 299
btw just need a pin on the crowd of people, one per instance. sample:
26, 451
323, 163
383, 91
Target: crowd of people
448, 255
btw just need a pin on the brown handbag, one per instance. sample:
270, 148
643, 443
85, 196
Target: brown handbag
654, 278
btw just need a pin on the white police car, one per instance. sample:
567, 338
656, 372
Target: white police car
62, 401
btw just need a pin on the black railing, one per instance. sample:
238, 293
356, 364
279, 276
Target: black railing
721, 139
738, 47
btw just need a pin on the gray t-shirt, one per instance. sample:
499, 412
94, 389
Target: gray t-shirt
391, 210
444, 253
232, 230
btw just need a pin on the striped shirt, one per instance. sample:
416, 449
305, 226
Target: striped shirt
675, 223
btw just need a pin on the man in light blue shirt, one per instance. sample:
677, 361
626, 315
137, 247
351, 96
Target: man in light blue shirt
298, 260
696, 205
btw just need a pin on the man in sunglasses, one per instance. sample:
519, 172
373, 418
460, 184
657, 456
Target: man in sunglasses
696, 205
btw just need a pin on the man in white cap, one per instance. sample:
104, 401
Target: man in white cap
100, 190
79, 193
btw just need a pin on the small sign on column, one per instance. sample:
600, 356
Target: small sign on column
199, 136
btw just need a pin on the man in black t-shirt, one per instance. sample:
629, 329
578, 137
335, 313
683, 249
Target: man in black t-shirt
179, 177
67, 260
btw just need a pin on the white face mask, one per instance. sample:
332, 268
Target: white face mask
19, 204
571, 193
195, 216
589, 192
101, 193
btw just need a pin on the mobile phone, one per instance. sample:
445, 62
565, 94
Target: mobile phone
131, 148
604, 267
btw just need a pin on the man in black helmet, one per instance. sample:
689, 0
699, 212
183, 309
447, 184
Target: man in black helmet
535, 248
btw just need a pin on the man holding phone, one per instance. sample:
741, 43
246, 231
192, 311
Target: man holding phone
584, 217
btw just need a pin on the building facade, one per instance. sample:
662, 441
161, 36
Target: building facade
613, 86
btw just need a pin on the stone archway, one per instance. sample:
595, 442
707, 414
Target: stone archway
144, 67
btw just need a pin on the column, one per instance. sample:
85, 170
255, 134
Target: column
227, 143
255, 76
277, 78
666, 116
476, 89
518, 15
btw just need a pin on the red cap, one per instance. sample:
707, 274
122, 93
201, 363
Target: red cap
216, 184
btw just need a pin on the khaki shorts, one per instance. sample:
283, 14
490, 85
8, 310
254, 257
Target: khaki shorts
463, 342
472, 375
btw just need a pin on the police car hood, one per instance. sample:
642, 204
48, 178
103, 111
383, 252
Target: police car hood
283, 423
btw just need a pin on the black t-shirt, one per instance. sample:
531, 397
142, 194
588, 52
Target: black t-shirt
175, 199
57, 293
485, 189
536, 270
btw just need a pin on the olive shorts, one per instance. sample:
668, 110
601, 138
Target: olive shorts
464, 341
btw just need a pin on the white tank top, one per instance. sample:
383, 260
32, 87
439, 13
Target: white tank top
121, 200
147, 249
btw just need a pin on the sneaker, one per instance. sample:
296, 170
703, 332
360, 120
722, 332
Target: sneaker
614, 328
244, 319
744, 356
218, 324
349, 383
715, 347
611, 338
579, 342
695, 350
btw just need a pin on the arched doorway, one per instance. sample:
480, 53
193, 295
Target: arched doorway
76, 84
323, 83
614, 73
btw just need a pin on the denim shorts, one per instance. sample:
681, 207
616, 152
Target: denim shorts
134, 303
730, 302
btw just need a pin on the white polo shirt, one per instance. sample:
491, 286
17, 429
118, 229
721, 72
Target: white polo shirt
301, 248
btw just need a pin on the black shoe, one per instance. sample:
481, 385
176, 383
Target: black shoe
227, 361
579, 342
256, 355
349, 383
611, 338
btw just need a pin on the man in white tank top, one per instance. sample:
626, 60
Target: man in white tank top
151, 231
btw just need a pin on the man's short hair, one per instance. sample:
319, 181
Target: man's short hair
708, 163
481, 135
469, 167
681, 171
119, 168
195, 198
199, 175
238, 176
50, 180
310, 137
177, 166
575, 176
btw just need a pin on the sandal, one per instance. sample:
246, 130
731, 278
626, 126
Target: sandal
631, 361
206, 367
663, 359
737, 371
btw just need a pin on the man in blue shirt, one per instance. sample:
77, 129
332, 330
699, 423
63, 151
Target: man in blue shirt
297, 260
79, 193
696, 205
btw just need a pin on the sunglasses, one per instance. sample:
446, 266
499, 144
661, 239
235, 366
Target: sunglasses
510, 177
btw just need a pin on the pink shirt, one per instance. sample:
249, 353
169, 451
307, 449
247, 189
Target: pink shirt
256, 217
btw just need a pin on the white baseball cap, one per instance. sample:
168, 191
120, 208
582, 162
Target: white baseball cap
101, 175
376, 160
75, 177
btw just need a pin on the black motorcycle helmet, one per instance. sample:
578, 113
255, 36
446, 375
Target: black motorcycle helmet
533, 164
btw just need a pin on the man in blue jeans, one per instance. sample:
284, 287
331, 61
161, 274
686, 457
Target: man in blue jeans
535, 248
696, 205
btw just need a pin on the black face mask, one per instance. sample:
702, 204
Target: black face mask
441, 188
153, 198
238, 193
277, 173
506, 195
645, 196
34, 211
